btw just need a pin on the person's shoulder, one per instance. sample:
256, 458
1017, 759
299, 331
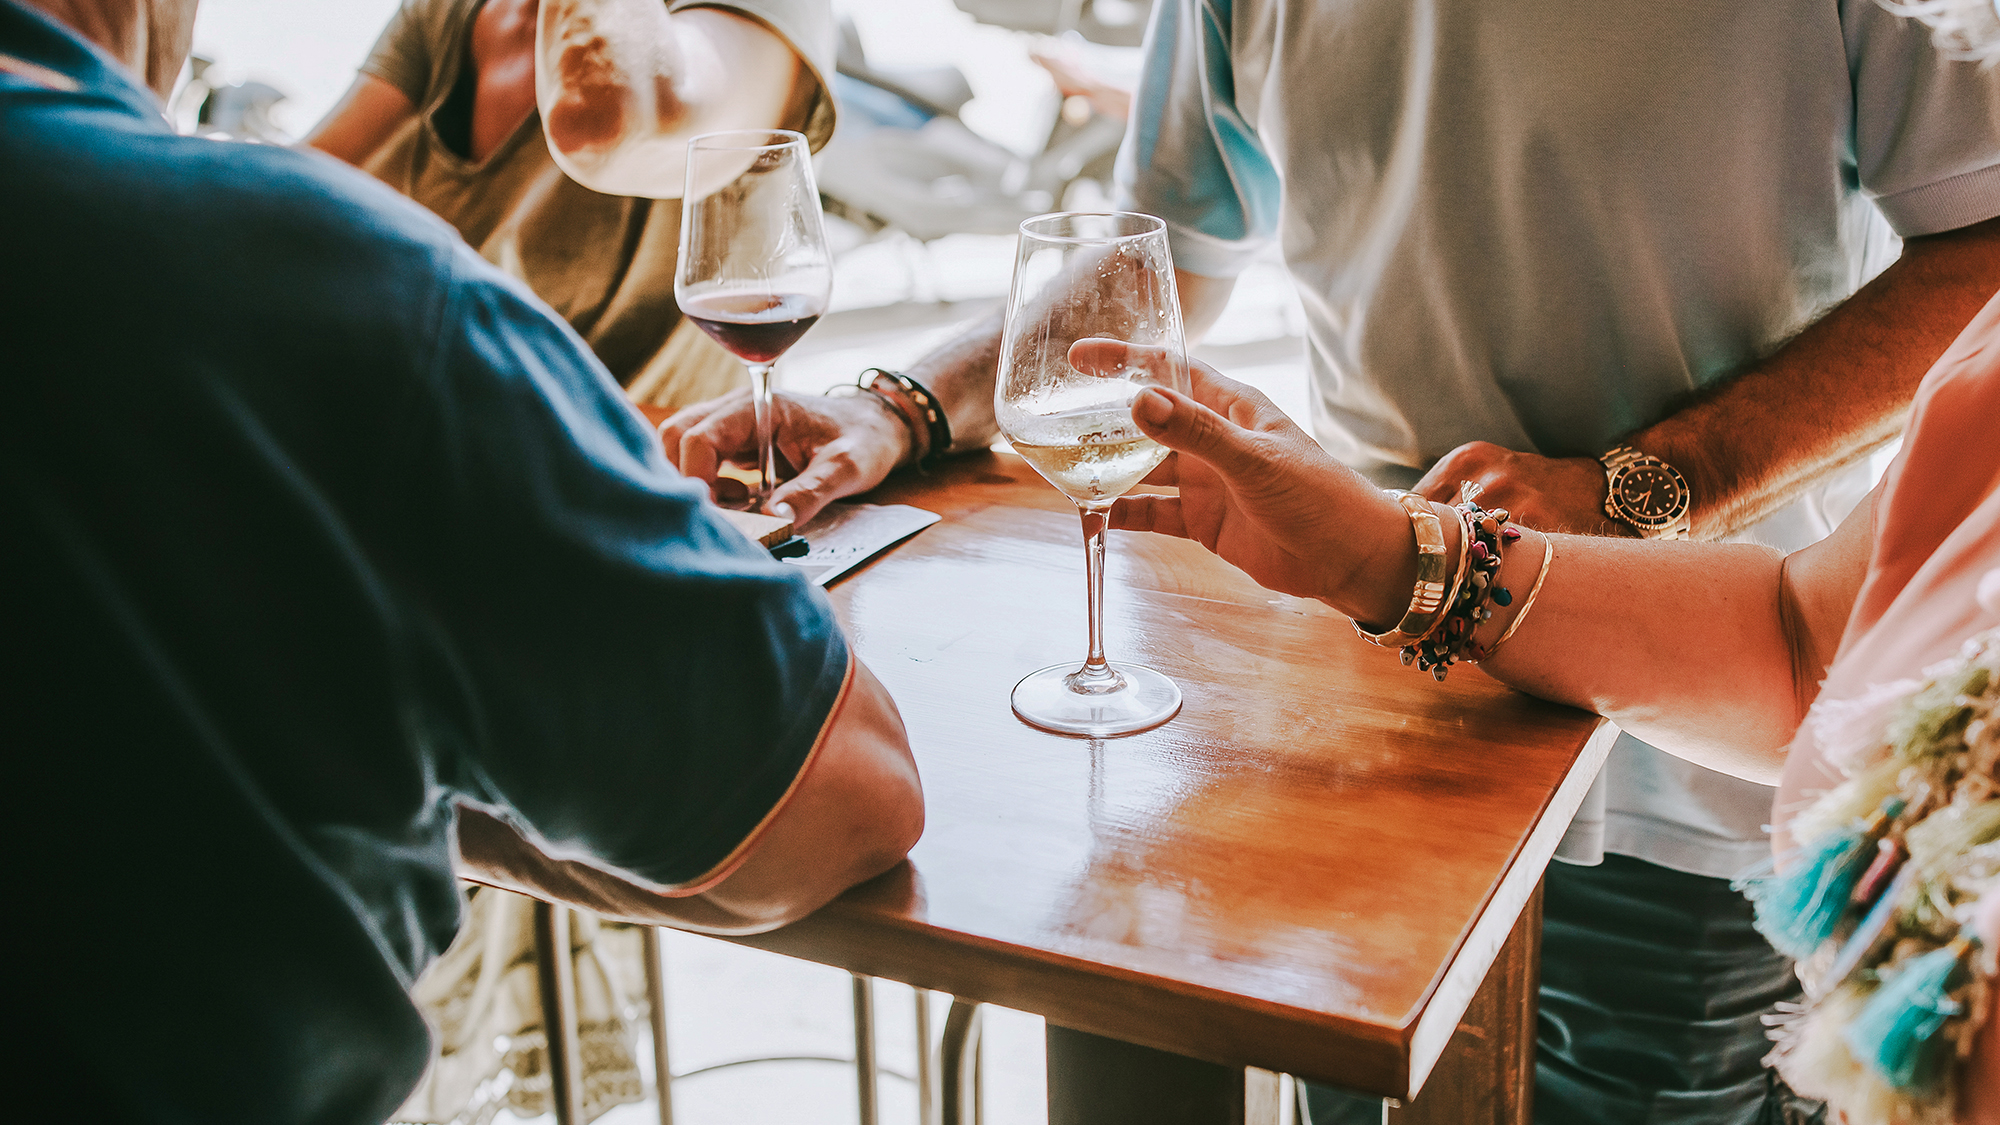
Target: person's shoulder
94, 174
309, 195
415, 47
437, 22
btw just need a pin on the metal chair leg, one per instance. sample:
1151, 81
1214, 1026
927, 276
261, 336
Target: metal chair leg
959, 1058
654, 951
979, 1080
926, 1062
557, 972
864, 1046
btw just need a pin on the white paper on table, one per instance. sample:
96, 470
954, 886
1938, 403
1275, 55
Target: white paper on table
843, 536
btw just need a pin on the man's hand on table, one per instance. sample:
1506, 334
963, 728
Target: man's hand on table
846, 443
1563, 494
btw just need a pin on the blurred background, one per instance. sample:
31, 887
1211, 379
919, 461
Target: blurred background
951, 132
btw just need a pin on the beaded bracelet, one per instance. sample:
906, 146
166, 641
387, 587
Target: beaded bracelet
1486, 536
1429, 595
919, 405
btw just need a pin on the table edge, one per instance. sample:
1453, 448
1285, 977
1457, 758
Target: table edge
1452, 993
1377, 1052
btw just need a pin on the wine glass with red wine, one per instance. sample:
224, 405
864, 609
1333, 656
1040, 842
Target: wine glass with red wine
754, 270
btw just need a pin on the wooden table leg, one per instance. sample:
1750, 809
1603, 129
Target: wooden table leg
1485, 1076
1487, 1071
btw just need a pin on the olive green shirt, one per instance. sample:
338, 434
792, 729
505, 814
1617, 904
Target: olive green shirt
604, 262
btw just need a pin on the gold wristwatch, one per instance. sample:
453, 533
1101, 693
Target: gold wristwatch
1645, 493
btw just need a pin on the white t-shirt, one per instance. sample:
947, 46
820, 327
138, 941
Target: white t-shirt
1543, 225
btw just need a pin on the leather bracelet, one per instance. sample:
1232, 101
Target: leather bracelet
894, 405
931, 426
1430, 594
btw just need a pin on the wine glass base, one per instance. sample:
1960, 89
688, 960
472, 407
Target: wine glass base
1045, 699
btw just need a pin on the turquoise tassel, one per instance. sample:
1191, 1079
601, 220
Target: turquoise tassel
1797, 911
1874, 926
1893, 1033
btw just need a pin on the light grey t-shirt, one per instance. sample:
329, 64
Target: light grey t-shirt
1543, 224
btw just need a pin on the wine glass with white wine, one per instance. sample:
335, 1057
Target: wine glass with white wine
1107, 278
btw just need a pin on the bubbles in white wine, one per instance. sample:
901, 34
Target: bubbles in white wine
1093, 456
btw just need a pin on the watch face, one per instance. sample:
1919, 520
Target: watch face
1653, 493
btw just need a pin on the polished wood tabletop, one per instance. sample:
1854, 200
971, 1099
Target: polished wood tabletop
1309, 870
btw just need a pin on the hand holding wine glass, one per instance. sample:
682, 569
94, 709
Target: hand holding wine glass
1262, 494
1086, 277
754, 270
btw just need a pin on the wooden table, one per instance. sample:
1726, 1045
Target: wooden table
1311, 870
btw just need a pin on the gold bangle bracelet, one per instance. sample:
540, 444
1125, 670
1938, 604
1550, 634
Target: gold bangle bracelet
1430, 594
1527, 603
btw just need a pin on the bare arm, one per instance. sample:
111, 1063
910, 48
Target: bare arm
1710, 651
849, 445
700, 70
856, 811
1839, 389
366, 116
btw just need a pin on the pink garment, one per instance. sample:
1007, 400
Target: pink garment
1936, 535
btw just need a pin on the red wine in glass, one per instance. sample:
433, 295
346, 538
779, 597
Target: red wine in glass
755, 327
754, 269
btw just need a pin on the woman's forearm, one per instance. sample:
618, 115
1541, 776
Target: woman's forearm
1711, 651
1684, 645
367, 115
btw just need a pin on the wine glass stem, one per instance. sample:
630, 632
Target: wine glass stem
1094, 522
767, 453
